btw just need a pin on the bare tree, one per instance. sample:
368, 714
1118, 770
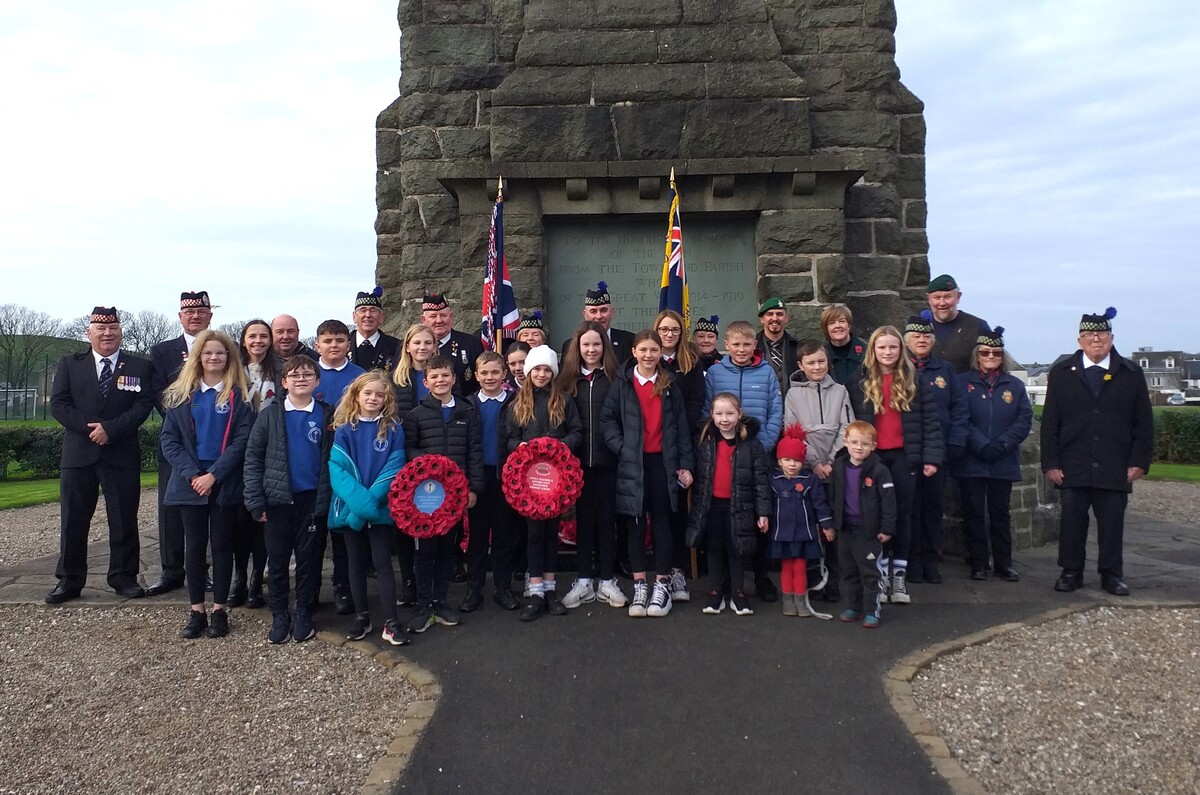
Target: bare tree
76, 328
234, 330
146, 329
25, 336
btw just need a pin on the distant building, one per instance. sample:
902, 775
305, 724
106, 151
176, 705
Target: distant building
1164, 370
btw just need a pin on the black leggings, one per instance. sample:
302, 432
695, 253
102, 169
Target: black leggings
371, 544
595, 516
542, 547
656, 501
725, 568
203, 524
905, 482
249, 545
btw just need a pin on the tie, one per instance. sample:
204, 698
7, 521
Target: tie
1095, 378
366, 352
776, 353
106, 377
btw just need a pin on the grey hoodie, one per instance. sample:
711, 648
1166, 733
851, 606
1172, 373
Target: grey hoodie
823, 410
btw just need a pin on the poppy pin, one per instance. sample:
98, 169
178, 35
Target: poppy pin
799, 487
868, 483
858, 349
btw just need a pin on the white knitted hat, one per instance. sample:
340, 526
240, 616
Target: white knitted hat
542, 354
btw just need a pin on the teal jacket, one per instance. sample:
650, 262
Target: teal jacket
356, 504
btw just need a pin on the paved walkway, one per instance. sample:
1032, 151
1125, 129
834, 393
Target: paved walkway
598, 701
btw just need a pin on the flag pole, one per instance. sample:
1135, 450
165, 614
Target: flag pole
499, 268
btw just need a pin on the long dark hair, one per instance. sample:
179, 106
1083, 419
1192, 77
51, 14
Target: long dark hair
664, 375
568, 378
269, 361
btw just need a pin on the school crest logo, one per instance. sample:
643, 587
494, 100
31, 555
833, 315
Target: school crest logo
314, 432
1007, 396
940, 382
381, 445
222, 408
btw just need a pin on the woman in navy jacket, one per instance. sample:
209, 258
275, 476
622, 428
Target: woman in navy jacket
208, 419
988, 452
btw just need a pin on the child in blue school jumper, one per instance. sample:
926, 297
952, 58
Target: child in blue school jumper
368, 451
287, 486
801, 519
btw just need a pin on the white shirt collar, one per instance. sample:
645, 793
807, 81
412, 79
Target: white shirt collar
446, 338
644, 381
361, 418
334, 369
498, 398
288, 405
112, 358
450, 404
189, 341
1106, 362
206, 388
586, 372
373, 339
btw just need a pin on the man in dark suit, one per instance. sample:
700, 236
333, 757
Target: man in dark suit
370, 348
598, 307
101, 398
459, 347
1097, 439
195, 315
954, 331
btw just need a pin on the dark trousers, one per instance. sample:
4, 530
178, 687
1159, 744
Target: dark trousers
905, 483
986, 511
170, 529
542, 547
249, 545
679, 520
833, 561
433, 564
492, 521
725, 569
1109, 509
860, 553
79, 493
292, 529
656, 501
340, 577
405, 554
595, 517
202, 525
927, 526
371, 545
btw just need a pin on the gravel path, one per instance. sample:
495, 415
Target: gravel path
112, 700
1106, 701
29, 533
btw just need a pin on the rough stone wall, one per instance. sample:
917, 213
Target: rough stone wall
721, 88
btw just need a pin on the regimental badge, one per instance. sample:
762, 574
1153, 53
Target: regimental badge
940, 382
1108, 376
1007, 396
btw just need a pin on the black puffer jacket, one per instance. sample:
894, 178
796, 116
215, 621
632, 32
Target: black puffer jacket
589, 401
265, 473
460, 439
621, 420
750, 492
569, 432
876, 496
691, 384
922, 429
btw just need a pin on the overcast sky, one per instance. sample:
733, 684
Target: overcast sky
155, 146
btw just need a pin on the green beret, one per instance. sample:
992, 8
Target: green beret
941, 283
769, 304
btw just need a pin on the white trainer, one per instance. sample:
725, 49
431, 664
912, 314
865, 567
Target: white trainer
641, 598
581, 592
660, 600
611, 594
679, 591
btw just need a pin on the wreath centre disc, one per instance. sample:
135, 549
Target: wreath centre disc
429, 496
543, 478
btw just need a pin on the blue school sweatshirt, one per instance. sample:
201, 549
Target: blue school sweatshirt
304, 436
368, 452
211, 422
489, 422
334, 382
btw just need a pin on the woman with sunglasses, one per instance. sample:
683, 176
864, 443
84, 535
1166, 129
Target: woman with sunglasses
987, 446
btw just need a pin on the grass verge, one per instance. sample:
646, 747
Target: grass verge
1183, 473
23, 493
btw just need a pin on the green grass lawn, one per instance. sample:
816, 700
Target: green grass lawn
23, 493
46, 423
1184, 473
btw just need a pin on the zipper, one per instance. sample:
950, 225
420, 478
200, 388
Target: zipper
591, 425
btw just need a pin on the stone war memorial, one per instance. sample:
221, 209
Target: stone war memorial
798, 152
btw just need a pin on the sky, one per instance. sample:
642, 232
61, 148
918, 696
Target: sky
156, 146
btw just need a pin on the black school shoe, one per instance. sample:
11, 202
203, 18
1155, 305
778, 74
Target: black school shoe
765, 590
472, 601
196, 624
361, 627
505, 599
532, 609
218, 625
342, 603
554, 605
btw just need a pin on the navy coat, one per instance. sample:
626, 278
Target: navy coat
998, 416
178, 442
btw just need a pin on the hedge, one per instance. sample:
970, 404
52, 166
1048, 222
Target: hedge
1177, 437
35, 452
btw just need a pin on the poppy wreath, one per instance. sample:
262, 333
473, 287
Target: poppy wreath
404, 512
542, 505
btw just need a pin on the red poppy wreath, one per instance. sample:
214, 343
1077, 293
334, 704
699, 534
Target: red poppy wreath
542, 479
428, 496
